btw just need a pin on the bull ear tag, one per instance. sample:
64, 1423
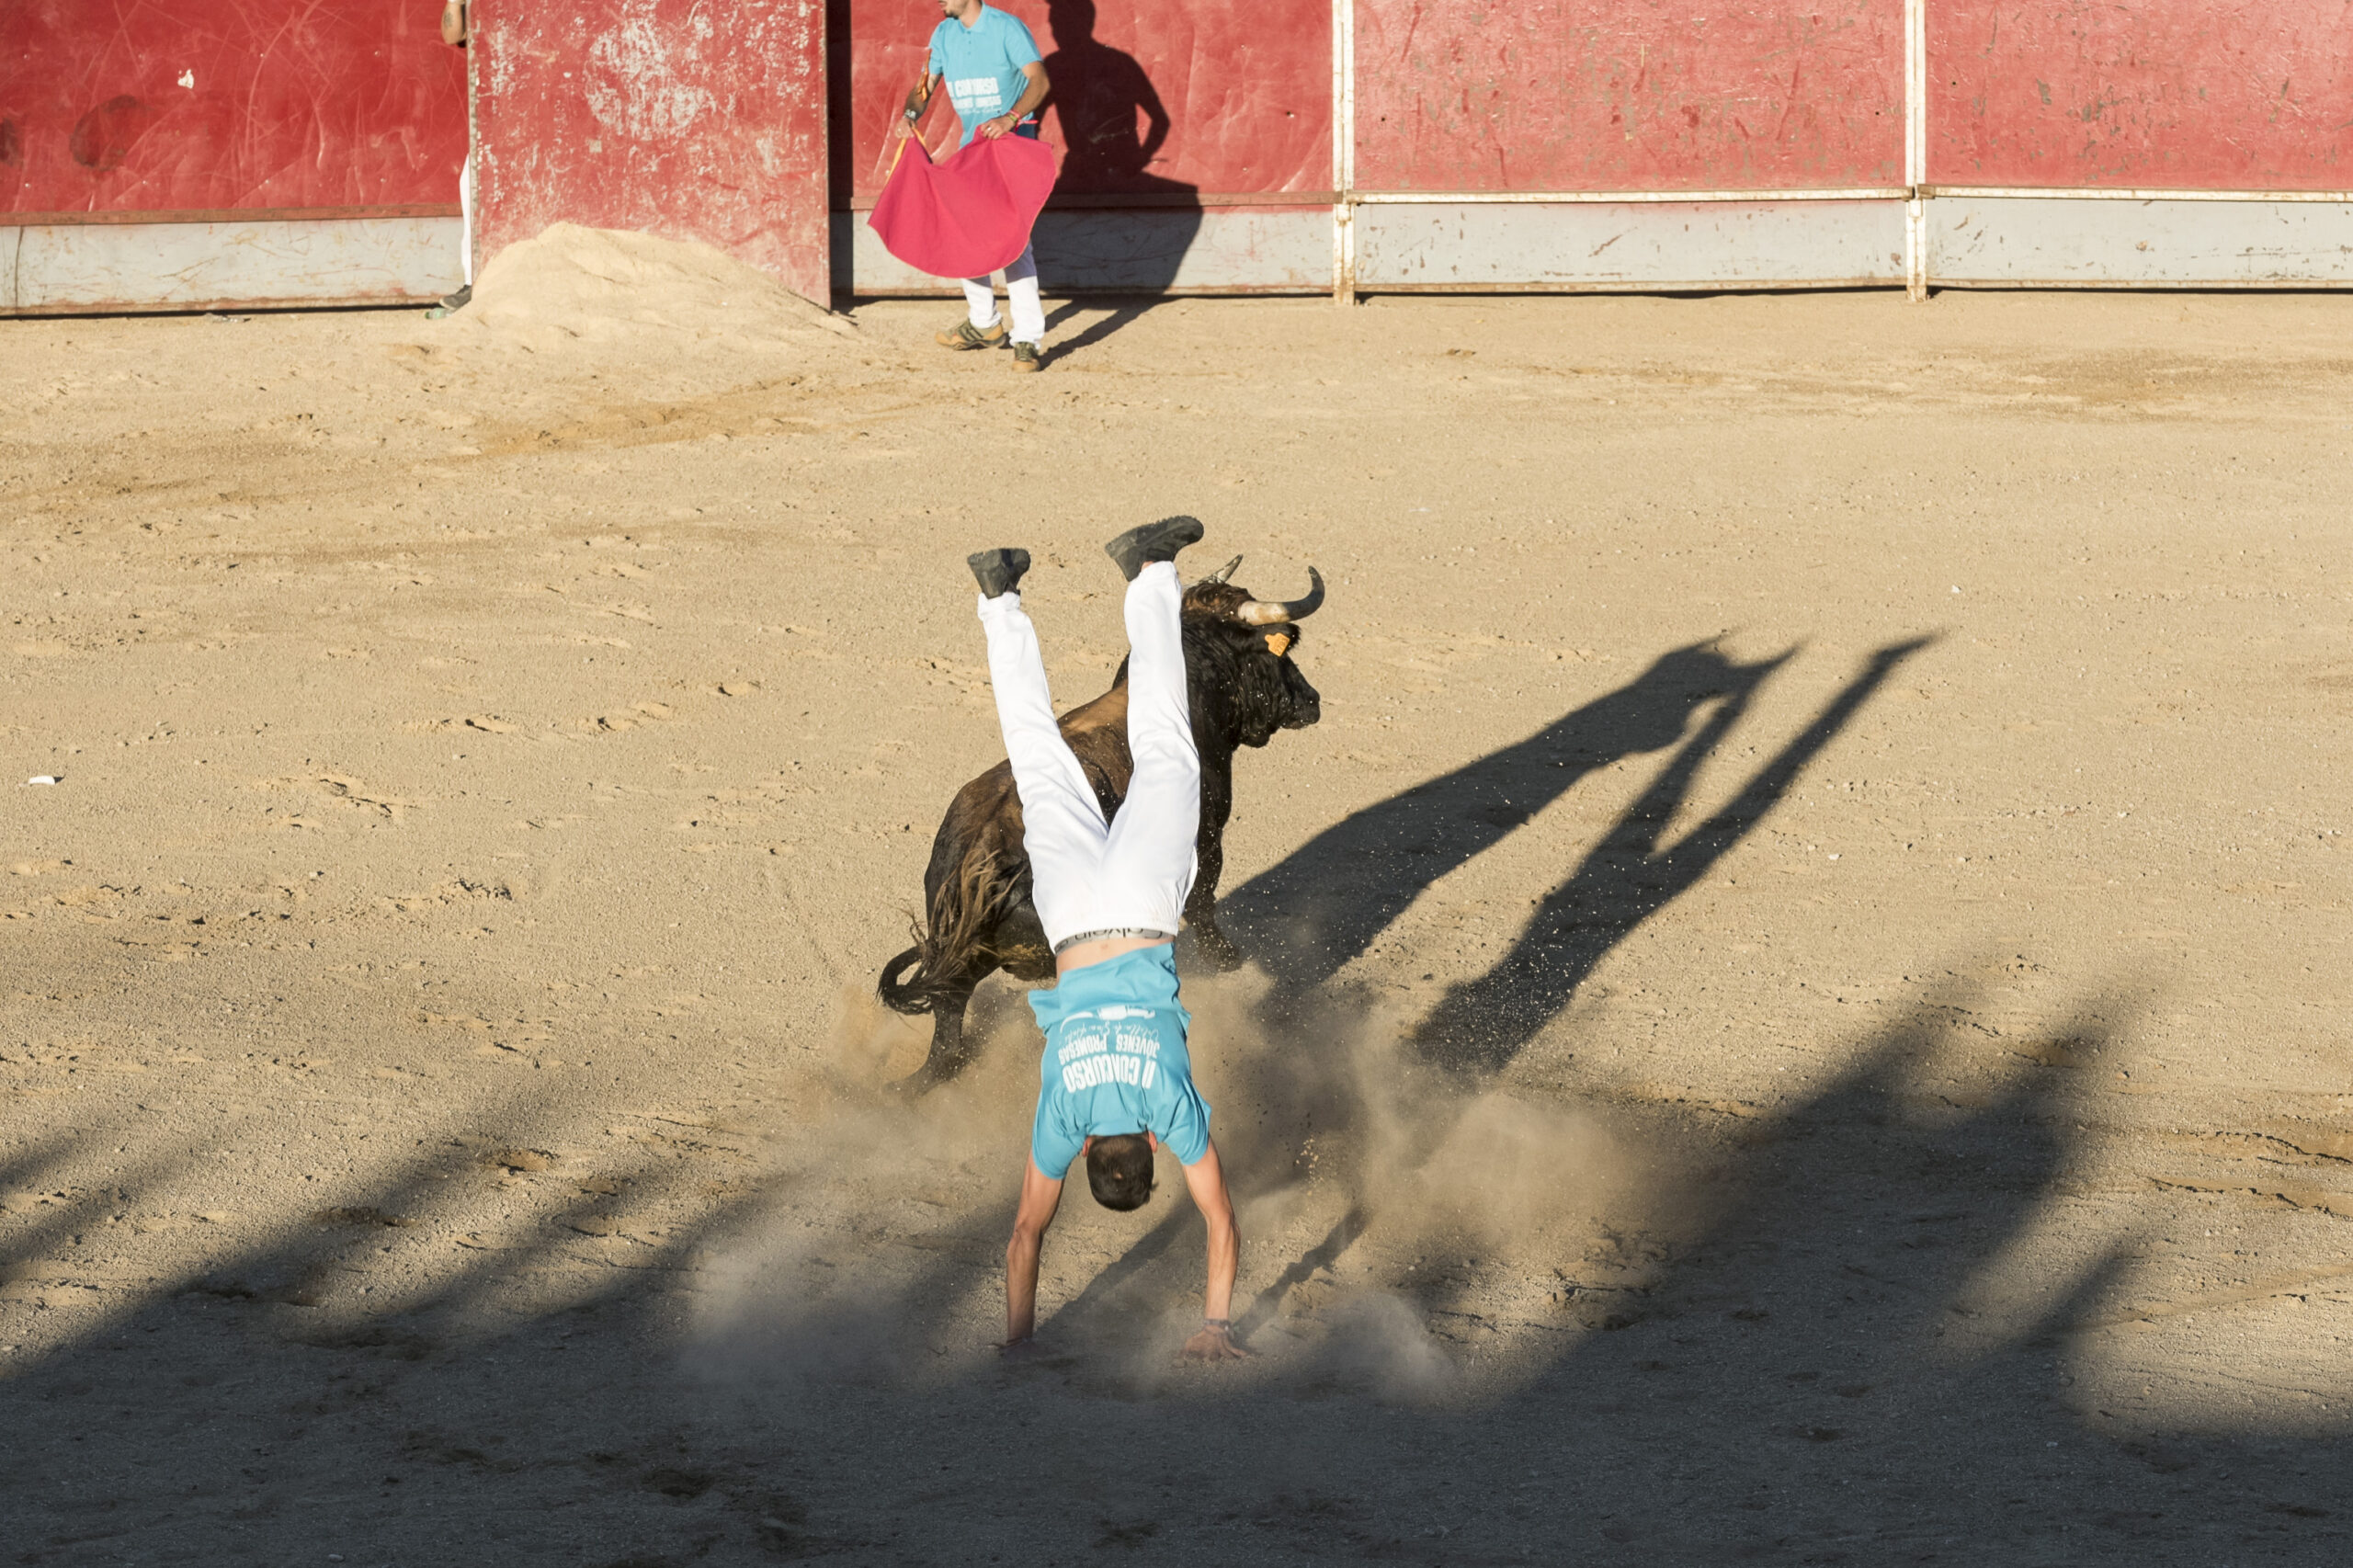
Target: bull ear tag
1277, 643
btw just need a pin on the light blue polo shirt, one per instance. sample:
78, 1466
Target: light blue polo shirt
1116, 1061
983, 65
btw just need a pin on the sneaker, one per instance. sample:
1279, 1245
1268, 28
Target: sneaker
451, 303
998, 571
1028, 357
967, 335
1138, 547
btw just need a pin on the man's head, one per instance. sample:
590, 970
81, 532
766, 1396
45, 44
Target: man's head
1118, 1169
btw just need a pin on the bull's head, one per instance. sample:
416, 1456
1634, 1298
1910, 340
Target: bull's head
1238, 657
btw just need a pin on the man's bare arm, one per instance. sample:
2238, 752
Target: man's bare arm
1040, 1196
1205, 1179
911, 114
1031, 96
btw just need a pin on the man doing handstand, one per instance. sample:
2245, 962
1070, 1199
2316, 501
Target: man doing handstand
1117, 1083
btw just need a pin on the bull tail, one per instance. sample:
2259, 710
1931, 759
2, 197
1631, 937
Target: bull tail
963, 912
902, 994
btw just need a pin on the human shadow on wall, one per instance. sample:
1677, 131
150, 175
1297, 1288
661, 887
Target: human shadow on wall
1112, 225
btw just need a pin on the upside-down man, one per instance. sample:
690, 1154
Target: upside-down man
1117, 1083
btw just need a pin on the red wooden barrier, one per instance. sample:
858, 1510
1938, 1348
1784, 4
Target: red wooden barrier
673, 117
2198, 95
228, 105
1628, 94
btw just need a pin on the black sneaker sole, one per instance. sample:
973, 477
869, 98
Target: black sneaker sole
1140, 547
998, 571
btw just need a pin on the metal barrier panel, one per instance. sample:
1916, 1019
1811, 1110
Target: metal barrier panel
1222, 250
1628, 95
670, 116
208, 105
2040, 243
1611, 245
2185, 94
227, 153
1176, 123
69, 269
2148, 144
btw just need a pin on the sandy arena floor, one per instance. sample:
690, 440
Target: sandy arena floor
1869, 780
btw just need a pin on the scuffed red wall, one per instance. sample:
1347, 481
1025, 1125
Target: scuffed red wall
673, 117
1244, 91
2215, 95
109, 106
1628, 94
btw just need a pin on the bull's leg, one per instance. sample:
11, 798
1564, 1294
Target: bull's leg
950, 1052
1209, 856
1209, 939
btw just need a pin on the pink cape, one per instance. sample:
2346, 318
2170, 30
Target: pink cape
969, 216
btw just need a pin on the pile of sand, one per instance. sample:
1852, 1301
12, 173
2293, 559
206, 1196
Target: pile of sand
630, 294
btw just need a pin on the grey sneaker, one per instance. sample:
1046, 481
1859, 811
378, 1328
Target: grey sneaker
967, 335
1028, 357
1138, 547
998, 571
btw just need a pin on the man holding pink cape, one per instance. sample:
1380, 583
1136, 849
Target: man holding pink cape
996, 79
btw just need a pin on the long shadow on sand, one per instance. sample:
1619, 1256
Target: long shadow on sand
1328, 903
1837, 1339
1834, 1330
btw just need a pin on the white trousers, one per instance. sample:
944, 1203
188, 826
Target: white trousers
466, 216
1020, 294
1133, 874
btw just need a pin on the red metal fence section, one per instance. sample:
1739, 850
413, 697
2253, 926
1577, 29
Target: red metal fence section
2182, 94
1166, 101
217, 105
1628, 94
1213, 120
674, 117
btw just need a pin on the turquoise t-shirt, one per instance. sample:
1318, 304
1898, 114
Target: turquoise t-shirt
983, 65
1116, 1061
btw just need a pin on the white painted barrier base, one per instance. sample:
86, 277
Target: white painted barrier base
1215, 250
64, 269
2104, 242
1651, 246
1396, 244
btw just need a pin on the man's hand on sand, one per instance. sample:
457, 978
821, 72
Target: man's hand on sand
1213, 1345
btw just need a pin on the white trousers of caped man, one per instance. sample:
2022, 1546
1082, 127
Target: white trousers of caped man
1130, 875
1021, 298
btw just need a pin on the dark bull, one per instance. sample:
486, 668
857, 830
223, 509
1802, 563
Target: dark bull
1243, 687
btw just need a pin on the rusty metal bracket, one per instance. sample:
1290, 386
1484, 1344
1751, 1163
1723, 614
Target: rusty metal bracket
1344, 152
1916, 150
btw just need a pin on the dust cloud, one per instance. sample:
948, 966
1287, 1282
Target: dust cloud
1365, 1180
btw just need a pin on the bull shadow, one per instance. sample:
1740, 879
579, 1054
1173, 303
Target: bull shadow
1630, 875
1330, 901
1327, 903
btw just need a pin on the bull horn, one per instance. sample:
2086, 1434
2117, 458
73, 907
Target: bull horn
1224, 573
1270, 612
